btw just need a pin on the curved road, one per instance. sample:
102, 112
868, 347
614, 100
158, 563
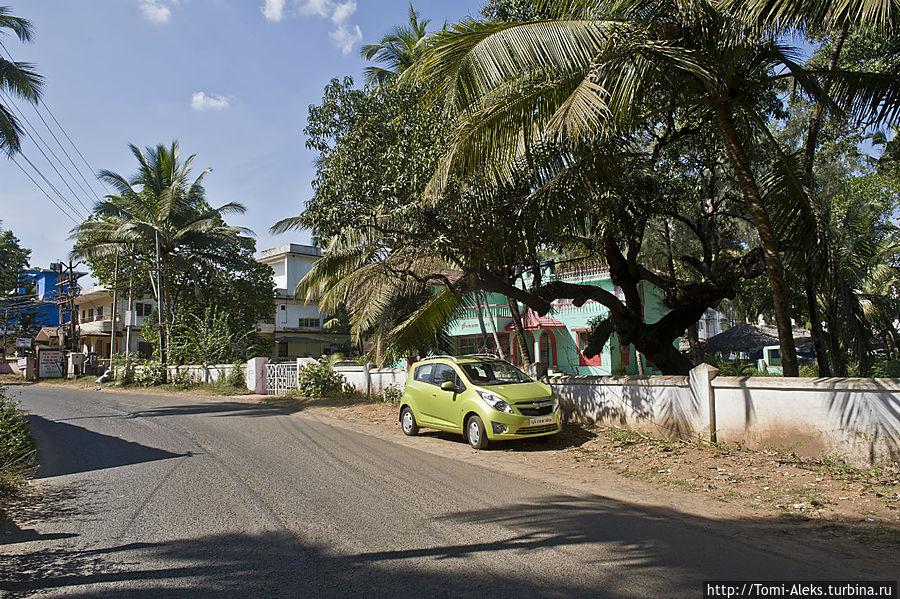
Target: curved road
152, 495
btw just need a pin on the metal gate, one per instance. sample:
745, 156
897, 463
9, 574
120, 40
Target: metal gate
281, 378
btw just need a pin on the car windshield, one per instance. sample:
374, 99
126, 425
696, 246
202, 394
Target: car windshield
494, 372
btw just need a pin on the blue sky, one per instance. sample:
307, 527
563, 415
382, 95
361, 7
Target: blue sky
231, 80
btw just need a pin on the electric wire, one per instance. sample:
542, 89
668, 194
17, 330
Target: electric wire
36, 184
44, 154
43, 104
89, 194
37, 108
50, 184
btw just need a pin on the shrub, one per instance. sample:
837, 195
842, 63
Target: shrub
149, 375
16, 448
319, 379
182, 379
737, 368
236, 378
392, 393
886, 369
811, 371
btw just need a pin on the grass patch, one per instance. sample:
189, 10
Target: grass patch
16, 450
621, 435
836, 465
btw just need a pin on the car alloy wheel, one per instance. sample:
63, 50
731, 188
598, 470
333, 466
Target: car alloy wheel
408, 422
475, 433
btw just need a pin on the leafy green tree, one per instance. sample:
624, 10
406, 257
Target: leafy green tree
17, 79
13, 257
239, 288
604, 67
163, 213
208, 339
398, 50
401, 139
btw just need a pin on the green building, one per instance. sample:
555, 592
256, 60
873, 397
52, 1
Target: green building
556, 339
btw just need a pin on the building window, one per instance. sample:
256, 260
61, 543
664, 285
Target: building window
145, 349
143, 309
90, 312
99, 312
473, 344
309, 323
582, 339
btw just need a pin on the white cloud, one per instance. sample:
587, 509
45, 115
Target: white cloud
158, 11
343, 11
345, 38
317, 7
201, 101
273, 10
345, 35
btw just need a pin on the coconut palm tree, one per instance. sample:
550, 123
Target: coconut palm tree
17, 79
164, 214
398, 50
600, 68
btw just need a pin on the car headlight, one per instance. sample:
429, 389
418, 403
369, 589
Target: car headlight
495, 402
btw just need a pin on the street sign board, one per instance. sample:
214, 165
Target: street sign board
23, 342
48, 364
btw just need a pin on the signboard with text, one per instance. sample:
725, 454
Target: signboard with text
23, 342
48, 364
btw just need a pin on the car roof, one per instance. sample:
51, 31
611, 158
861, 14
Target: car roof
459, 360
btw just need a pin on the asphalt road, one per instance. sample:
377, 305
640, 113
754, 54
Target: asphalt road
149, 496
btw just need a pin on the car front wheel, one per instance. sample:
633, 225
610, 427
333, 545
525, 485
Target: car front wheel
408, 422
475, 433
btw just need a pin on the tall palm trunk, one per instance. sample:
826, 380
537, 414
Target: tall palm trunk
493, 324
822, 237
767, 238
520, 332
484, 337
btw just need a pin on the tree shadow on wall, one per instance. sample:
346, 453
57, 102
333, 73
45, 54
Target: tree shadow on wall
674, 411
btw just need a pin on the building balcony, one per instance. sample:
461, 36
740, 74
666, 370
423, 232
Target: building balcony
96, 326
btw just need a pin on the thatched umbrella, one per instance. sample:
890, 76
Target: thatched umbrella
741, 338
751, 339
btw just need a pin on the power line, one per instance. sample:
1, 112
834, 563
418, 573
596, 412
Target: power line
44, 192
90, 168
72, 162
53, 187
44, 154
46, 107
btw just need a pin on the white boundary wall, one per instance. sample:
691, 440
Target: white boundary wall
855, 417
372, 380
197, 372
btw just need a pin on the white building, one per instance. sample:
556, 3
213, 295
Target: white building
297, 329
93, 315
714, 322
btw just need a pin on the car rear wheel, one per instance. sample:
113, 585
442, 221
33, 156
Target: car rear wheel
475, 433
408, 422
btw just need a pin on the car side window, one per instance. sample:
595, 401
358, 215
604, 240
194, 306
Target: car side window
423, 373
443, 372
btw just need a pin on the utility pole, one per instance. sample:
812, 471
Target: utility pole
130, 311
112, 332
163, 345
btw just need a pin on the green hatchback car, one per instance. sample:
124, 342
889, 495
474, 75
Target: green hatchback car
481, 397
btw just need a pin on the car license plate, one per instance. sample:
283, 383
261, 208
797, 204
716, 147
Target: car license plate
544, 420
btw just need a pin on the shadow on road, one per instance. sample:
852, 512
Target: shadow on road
563, 546
89, 450
219, 408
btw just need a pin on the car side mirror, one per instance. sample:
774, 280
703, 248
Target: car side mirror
448, 386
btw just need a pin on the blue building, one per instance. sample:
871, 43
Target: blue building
39, 289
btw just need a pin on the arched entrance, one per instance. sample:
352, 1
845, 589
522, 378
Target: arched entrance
547, 349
